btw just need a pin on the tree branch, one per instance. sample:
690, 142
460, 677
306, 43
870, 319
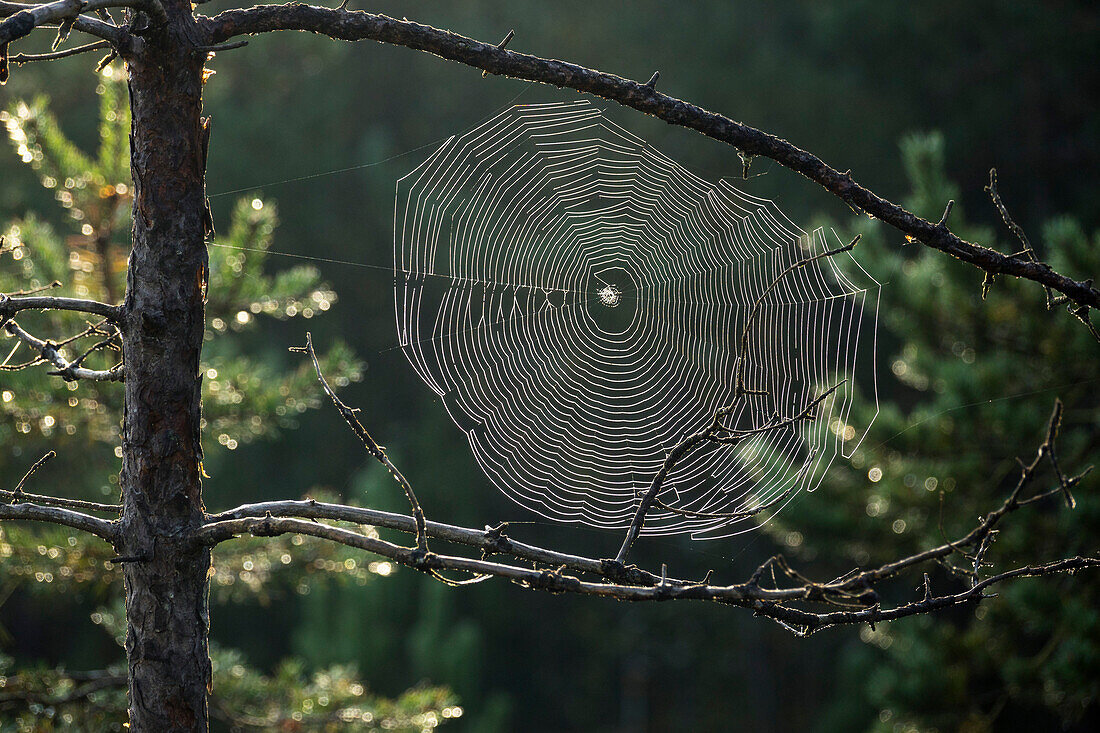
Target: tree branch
26, 58
354, 26
853, 592
10, 306
739, 377
369, 443
988, 524
763, 601
69, 371
16, 497
24, 18
23, 506
488, 541
66, 517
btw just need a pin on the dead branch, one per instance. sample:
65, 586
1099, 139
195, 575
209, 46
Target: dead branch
491, 540
739, 378
1017, 231
987, 526
69, 371
34, 507
1079, 311
66, 517
369, 443
16, 497
23, 18
853, 593
356, 25
26, 58
10, 306
763, 601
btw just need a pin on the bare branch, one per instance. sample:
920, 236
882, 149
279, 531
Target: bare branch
763, 601
26, 58
18, 496
10, 306
1016, 229
988, 523
488, 541
220, 531
33, 290
946, 213
716, 432
69, 371
20, 508
369, 443
853, 593
66, 517
24, 18
356, 26
739, 378
222, 46
50, 455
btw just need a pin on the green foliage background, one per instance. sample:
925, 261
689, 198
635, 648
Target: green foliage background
919, 100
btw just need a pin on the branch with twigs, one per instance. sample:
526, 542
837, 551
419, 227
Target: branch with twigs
377, 451
22, 18
17, 495
1081, 312
767, 602
716, 432
68, 370
93, 329
26, 58
791, 599
21, 506
851, 598
496, 59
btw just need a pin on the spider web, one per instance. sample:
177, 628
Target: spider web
577, 300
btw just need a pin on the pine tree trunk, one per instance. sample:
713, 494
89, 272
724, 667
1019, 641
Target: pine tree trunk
166, 578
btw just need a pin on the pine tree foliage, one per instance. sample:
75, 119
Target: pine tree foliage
244, 400
965, 383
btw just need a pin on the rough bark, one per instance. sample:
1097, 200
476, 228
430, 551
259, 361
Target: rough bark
166, 576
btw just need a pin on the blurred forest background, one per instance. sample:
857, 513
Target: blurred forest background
920, 100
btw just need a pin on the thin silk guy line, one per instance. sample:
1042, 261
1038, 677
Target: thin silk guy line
322, 174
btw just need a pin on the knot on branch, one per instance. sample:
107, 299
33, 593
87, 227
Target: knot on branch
552, 581
619, 572
421, 559
264, 527
495, 542
500, 47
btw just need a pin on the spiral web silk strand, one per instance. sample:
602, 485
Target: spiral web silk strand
577, 301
